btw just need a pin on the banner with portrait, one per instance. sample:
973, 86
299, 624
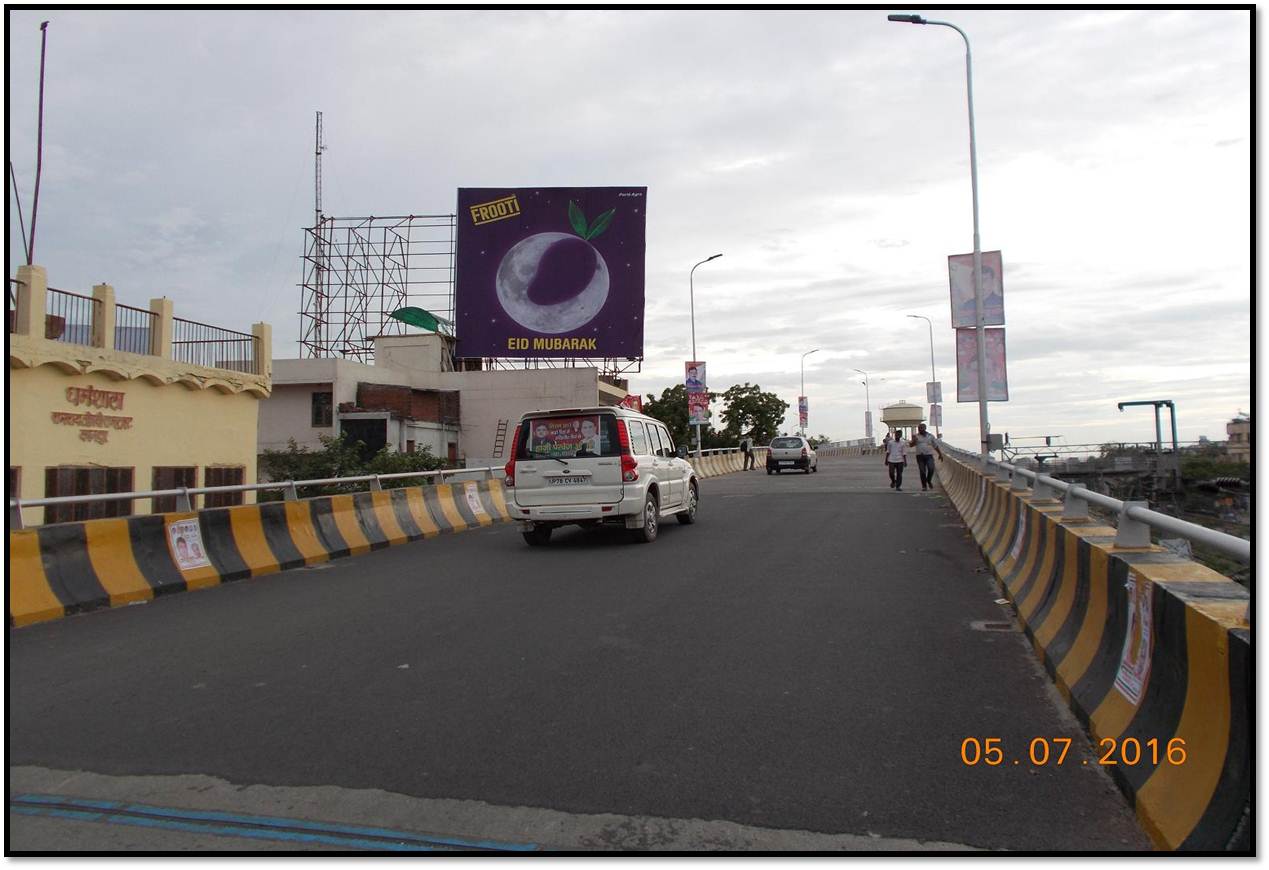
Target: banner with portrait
698, 409
565, 437
960, 272
967, 365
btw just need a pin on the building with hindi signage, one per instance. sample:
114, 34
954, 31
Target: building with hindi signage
104, 397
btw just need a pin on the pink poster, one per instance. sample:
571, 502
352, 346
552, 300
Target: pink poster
967, 366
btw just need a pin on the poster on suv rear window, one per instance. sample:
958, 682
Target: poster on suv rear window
565, 437
550, 271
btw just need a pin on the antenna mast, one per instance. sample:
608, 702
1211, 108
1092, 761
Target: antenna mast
317, 182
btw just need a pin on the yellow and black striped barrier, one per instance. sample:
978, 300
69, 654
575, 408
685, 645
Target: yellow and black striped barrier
68, 568
1151, 651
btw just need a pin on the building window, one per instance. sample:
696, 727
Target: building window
322, 407
451, 453
409, 446
172, 477
15, 483
86, 480
223, 476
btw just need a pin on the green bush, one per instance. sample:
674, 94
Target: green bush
339, 457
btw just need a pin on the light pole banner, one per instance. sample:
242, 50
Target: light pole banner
803, 410
868, 425
936, 415
967, 365
933, 392
960, 271
694, 377
698, 409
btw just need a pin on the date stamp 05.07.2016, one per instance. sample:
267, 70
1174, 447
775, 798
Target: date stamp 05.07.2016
1041, 751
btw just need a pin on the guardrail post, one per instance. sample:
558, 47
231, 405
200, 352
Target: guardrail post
290, 493
1043, 489
375, 485
1074, 506
15, 514
1017, 483
1002, 473
182, 500
1132, 533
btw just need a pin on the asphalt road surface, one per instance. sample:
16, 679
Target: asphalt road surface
798, 670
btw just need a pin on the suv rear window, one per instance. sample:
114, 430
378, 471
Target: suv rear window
568, 436
785, 443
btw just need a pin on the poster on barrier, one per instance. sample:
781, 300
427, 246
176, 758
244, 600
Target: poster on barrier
472, 491
1134, 661
185, 541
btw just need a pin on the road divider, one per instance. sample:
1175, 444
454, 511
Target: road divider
68, 568
1152, 651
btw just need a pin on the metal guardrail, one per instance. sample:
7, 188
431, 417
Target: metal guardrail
289, 487
1136, 519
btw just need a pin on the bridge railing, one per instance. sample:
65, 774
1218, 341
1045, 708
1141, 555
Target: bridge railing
290, 489
1135, 518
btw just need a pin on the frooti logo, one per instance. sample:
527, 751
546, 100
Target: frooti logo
555, 282
499, 209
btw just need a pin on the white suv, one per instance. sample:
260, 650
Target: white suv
587, 466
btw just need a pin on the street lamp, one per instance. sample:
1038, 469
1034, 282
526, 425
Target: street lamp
802, 395
868, 404
983, 426
930, 323
691, 301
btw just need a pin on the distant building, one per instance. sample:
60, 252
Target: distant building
104, 398
412, 397
1238, 446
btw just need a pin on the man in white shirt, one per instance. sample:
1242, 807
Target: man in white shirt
926, 445
896, 459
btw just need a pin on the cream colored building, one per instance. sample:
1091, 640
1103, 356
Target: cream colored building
104, 397
304, 388
1238, 431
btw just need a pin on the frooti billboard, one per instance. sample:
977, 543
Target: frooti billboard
550, 272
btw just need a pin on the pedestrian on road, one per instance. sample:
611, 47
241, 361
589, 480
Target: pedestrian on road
896, 460
925, 445
746, 447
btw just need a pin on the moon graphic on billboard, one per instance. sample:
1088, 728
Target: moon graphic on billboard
552, 282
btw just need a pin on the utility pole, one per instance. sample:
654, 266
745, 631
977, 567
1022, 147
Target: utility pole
39, 147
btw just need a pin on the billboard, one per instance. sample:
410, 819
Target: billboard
960, 273
967, 366
550, 271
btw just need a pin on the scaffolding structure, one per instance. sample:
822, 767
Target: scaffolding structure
358, 270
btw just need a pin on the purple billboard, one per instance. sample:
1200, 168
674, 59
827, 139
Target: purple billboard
550, 271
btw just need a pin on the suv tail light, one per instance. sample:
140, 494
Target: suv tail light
629, 465
510, 468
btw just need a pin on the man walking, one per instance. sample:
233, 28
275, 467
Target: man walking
746, 447
926, 445
896, 459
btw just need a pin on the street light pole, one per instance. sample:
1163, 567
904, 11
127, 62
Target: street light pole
930, 324
983, 426
691, 301
868, 403
802, 395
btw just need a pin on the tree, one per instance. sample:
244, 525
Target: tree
670, 409
818, 440
750, 411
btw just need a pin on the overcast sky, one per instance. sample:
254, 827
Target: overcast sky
824, 153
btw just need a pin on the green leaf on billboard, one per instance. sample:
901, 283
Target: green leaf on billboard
422, 319
577, 219
601, 223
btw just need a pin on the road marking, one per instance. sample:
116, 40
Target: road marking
253, 827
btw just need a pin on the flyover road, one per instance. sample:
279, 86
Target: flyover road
798, 670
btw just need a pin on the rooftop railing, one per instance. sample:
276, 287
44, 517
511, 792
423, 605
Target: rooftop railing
135, 329
69, 317
203, 345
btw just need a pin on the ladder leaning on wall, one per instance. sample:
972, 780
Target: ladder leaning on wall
500, 439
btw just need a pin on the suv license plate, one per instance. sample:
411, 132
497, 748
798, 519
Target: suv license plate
568, 481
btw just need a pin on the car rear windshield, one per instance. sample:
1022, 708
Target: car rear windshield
568, 436
785, 443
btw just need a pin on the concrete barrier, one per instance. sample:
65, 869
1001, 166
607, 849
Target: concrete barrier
67, 568
1147, 648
